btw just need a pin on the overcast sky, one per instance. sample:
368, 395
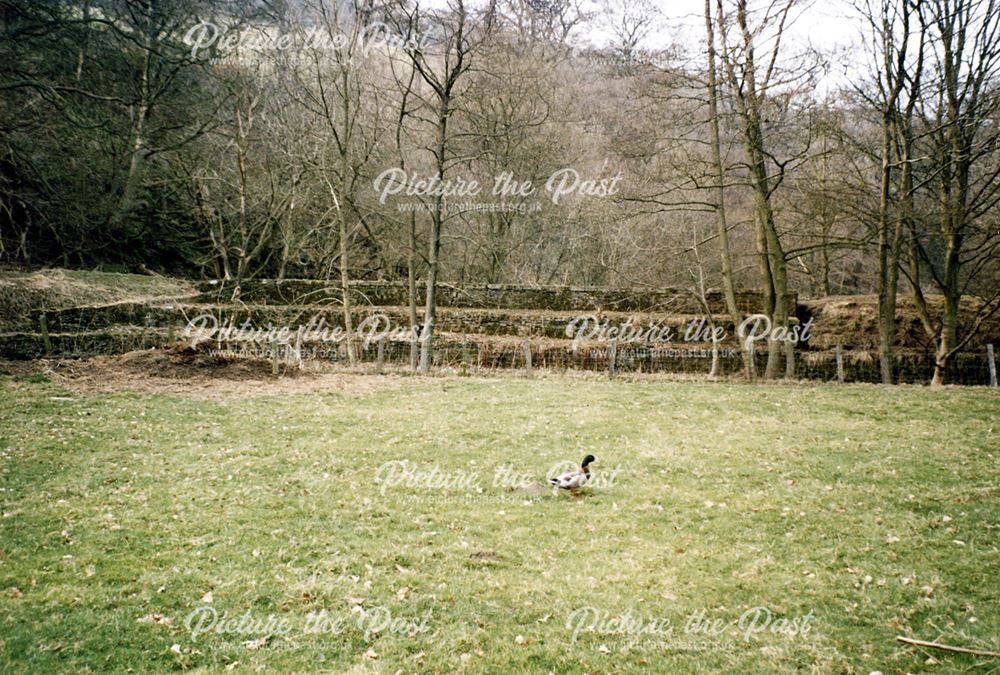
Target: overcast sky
822, 22
827, 25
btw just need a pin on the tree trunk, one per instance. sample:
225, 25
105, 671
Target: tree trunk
771, 256
241, 165
888, 258
346, 191
138, 142
345, 289
720, 194
947, 341
775, 256
948, 338
824, 255
434, 246
411, 278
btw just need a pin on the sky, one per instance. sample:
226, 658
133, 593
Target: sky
830, 26
821, 22
826, 25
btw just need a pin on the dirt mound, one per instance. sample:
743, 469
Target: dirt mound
178, 362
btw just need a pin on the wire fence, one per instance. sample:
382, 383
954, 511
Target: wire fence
967, 368
120, 328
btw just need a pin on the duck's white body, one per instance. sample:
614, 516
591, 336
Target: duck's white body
571, 480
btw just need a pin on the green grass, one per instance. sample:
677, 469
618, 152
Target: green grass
876, 510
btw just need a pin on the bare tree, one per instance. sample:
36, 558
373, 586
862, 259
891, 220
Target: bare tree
630, 23
964, 167
896, 70
404, 84
543, 24
720, 186
331, 86
749, 89
460, 35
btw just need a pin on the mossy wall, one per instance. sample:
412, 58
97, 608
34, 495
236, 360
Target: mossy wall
555, 298
487, 327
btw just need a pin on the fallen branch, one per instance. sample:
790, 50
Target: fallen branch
947, 648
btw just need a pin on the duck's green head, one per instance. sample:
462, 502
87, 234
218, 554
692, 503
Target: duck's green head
588, 459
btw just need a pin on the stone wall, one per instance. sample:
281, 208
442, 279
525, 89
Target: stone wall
558, 298
490, 326
513, 322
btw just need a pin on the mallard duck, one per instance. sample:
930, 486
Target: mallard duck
573, 480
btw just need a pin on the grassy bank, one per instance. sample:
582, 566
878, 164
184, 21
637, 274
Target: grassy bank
739, 528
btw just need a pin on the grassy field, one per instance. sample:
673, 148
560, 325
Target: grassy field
734, 528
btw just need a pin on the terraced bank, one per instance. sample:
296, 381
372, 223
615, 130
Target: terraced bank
478, 327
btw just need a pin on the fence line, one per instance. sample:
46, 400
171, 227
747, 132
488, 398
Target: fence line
840, 365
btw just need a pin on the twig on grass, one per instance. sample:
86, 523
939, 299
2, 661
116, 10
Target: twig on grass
947, 648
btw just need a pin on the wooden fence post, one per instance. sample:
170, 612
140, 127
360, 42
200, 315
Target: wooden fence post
527, 356
381, 355
274, 357
993, 365
840, 364
612, 365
